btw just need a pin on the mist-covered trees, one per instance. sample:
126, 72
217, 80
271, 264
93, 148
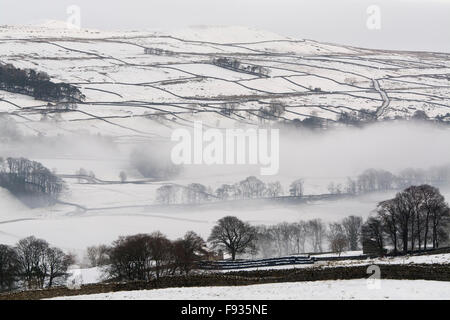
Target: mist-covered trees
123, 176
196, 193
30, 181
274, 189
98, 255
233, 236
167, 194
308, 236
37, 84
346, 234
249, 188
317, 231
226, 191
153, 163
252, 187
372, 180
416, 218
9, 131
296, 188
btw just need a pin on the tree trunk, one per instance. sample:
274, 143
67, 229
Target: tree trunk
426, 232
405, 241
395, 242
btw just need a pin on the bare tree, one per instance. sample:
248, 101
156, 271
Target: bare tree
338, 244
225, 192
351, 187
372, 231
352, 229
167, 194
234, 236
252, 187
331, 188
98, 255
296, 188
299, 231
39, 263
337, 238
161, 250
317, 231
57, 264
9, 268
413, 215
130, 258
196, 193
123, 176
188, 251
389, 216
31, 253
265, 241
274, 189
140, 257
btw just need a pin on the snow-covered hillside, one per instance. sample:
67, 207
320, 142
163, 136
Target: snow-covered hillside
180, 84
134, 98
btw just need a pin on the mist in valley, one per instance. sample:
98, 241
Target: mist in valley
316, 157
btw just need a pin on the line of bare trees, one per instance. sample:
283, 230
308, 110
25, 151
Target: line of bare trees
308, 236
235, 64
249, 188
32, 264
416, 218
30, 181
381, 180
370, 180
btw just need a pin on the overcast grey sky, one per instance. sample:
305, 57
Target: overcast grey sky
405, 24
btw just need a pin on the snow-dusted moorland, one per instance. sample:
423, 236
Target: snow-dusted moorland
133, 99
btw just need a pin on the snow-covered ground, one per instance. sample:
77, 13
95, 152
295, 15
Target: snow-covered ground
318, 290
97, 274
425, 259
86, 275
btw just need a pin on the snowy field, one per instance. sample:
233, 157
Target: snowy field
318, 290
97, 274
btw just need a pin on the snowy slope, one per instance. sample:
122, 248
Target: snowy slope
135, 98
317, 290
120, 80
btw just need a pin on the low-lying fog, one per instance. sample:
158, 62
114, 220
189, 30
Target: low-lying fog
317, 157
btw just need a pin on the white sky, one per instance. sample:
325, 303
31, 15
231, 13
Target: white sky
405, 24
